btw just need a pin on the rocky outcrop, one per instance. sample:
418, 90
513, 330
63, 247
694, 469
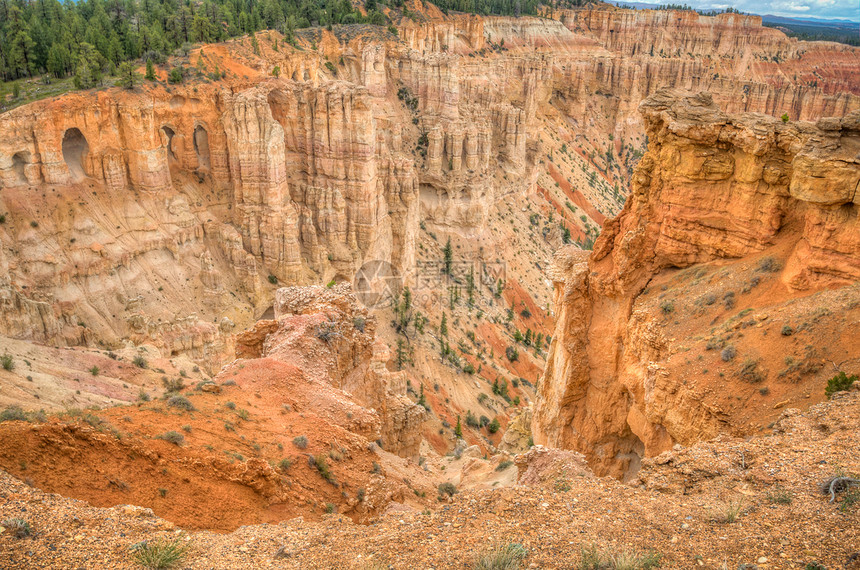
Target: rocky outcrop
326, 334
711, 187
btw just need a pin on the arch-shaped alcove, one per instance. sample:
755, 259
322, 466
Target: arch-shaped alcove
75, 150
201, 147
279, 106
167, 140
20, 160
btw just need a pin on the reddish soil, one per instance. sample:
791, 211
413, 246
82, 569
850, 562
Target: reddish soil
225, 474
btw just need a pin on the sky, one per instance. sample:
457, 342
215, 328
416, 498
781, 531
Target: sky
831, 9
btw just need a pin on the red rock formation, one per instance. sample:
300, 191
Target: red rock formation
712, 187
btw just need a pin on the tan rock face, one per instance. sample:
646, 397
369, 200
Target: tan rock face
712, 187
238, 183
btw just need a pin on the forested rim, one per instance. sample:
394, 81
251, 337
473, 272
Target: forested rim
91, 38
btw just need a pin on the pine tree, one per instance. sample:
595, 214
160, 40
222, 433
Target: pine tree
443, 328
276, 71
401, 354
59, 60
128, 75
448, 252
422, 401
150, 71
458, 429
255, 45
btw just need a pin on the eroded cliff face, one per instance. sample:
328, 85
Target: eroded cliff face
236, 184
165, 215
766, 215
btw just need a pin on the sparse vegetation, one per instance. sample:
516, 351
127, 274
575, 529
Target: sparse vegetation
447, 488
839, 383
180, 402
322, 467
19, 528
768, 265
732, 511
173, 437
7, 361
172, 385
504, 465
780, 496
159, 554
750, 372
728, 353
300, 441
591, 558
139, 361
501, 557
13, 413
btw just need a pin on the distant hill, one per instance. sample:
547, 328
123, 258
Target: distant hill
807, 28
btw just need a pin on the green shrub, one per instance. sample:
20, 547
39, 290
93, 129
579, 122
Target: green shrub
749, 372
593, 559
284, 464
172, 385
139, 361
787, 331
501, 557
19, 528
300, 441
839, 383
779, 496
494, 426
322, 466
13, 413
7, 362
181, 402
447, 489
173, 437
504, 465
728, 353
159, 554
94, 370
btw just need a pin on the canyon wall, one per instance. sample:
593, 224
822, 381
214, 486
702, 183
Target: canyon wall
169, 214
711, 189
166, 214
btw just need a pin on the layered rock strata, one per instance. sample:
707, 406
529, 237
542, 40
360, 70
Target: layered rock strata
711, 187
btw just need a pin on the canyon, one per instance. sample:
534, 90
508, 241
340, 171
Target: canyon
482, 251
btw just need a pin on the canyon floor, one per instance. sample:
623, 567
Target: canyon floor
717, 504
647, 283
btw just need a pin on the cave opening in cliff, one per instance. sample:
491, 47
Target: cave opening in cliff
268, 314
201, 147
19, 162
75, 149
279, 106
168, 142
